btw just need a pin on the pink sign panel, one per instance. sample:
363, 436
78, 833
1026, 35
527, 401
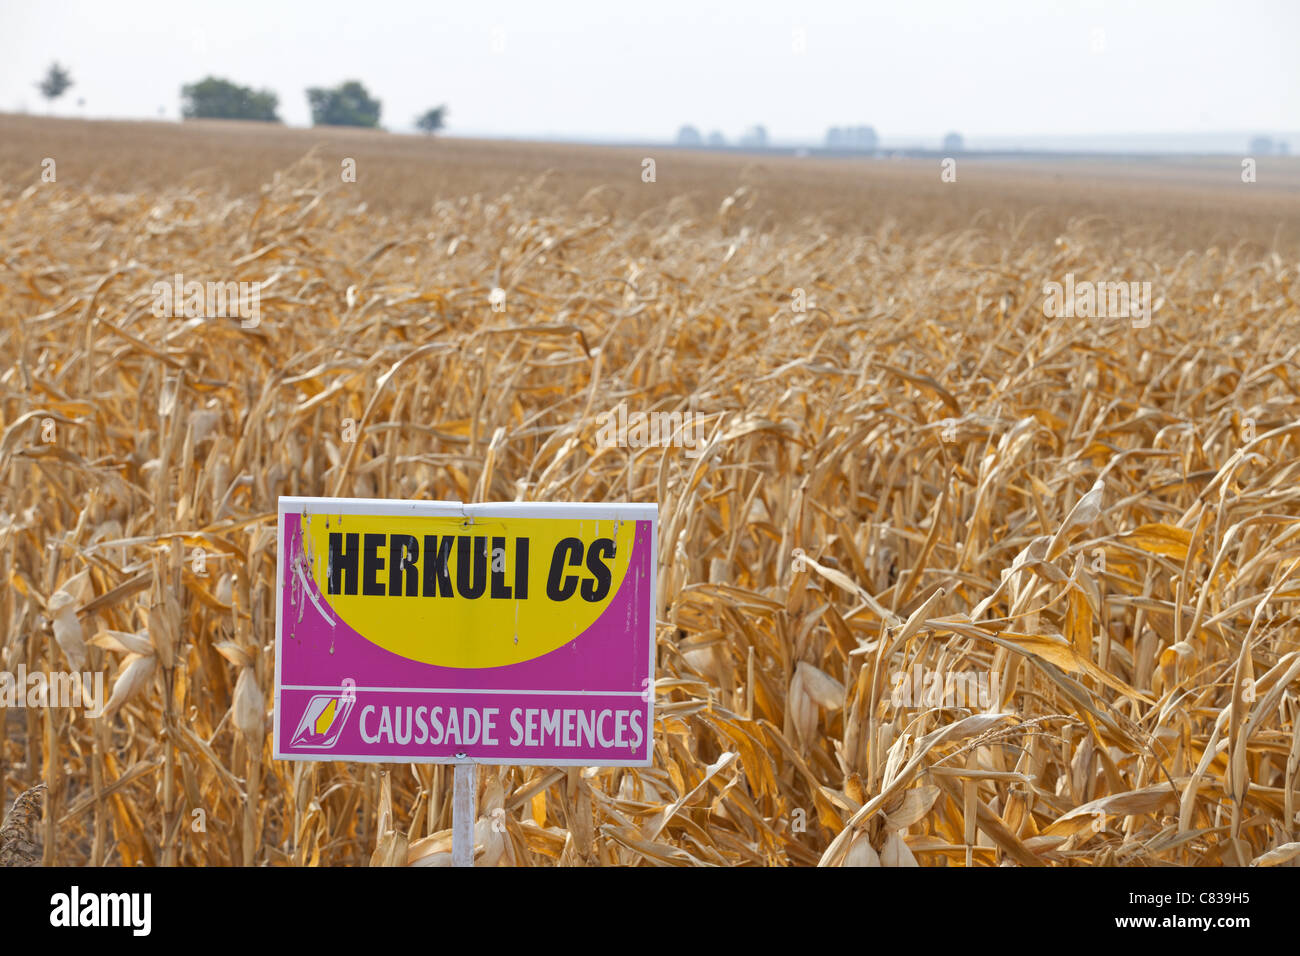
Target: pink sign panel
439, 632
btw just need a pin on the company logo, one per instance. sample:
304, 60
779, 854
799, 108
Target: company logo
324, 718
922, 687
53, 689
212, 300
1100, 300
621, 429
75, 909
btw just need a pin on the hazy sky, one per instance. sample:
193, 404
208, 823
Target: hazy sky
622, 70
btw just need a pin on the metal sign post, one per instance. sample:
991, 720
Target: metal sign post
463, 814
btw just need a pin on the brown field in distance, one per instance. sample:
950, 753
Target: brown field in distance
1100, 520
1192, 203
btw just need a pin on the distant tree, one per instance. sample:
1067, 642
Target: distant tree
432, 120
215, 98
717, 140
56, 83
1262, 146
346, 105
756, 138
953, 143
689, 136
865, 139
857, 138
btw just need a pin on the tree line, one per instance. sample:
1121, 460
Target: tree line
348, 104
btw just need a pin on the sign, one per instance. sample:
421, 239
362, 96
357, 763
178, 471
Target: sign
441, 632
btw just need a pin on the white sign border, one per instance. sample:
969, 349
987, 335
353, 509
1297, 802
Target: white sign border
595, 511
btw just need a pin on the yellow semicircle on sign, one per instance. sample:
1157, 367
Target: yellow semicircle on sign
456, 631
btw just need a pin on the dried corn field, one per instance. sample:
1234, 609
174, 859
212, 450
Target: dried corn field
919, 474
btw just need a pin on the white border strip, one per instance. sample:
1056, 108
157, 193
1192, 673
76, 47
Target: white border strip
631, 511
